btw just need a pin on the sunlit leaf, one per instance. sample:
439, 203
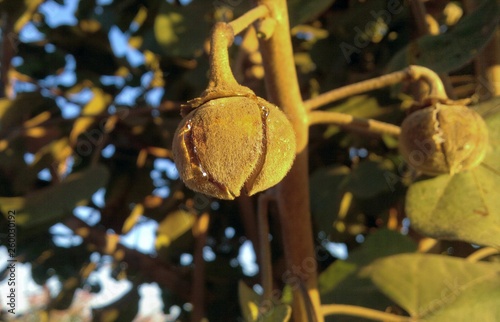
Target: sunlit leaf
439, 288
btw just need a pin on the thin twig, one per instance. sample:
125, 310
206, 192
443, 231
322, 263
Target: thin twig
410, 73
241, 23
419, 13
200, 230
362, 312
266, 273
249, 219
355, 123
482, 253
9, 49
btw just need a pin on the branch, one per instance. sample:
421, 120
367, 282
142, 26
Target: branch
293, 191
352, 310
9, 49
197, 292
266, 273
411, 73
241, 23
152, 269
353, 123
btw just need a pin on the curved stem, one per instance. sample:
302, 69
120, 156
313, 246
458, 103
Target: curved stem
220, 71
352, 310
355, 123
482, 253
221, 82
410, 73
293, 191
241, 23
428, 75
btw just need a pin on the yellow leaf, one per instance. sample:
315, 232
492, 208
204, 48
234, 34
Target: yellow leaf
132, 218
36, 132
95, 106
90, 26
37, 120
173, 226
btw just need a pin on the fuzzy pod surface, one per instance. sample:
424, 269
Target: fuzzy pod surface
443, 139
234, 145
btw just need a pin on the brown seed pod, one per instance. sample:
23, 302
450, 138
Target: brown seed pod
234, 145
443, 139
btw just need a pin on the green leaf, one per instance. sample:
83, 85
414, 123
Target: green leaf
439, 288
334, 274
369, 179
464, 206
326, 189
341, 282
301, 11
449, 51
49, 205
182, 30
383, 242
250, 301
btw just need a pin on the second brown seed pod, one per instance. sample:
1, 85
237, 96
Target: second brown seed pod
234, 145
443, 139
